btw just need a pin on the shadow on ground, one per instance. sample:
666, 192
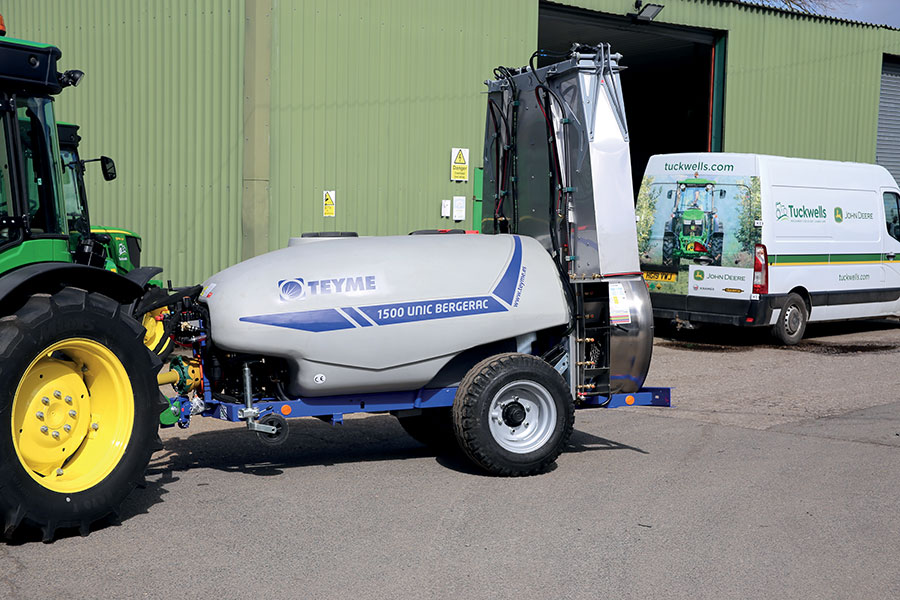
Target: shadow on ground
310, 443
820, 338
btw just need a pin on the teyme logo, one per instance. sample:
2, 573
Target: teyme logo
699, 275
298, 289
292, 289
838, 214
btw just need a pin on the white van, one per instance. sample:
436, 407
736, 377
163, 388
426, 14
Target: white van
753, 240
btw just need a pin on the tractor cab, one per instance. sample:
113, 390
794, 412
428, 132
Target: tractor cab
123, 247
35, 225
694, 231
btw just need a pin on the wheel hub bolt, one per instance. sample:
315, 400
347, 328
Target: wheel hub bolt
95, 426
73, 414
67, 427
55, 435
44, 429
59, 471
57, 394
68, 399
40, 414
45, 400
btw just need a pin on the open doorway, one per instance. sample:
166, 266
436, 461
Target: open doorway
673, 86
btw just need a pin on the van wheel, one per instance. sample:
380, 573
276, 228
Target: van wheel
791, 324
513, 414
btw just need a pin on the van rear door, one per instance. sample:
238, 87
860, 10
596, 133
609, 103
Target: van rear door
891, 252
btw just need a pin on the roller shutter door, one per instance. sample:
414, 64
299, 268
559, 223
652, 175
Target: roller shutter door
887, 149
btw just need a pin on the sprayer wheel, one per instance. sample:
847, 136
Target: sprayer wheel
513, 414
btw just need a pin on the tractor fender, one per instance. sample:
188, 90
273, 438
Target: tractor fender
143, 275
50, 277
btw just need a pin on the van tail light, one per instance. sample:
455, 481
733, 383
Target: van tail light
760, 270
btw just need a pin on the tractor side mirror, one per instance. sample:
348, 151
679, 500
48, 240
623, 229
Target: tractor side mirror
721, 193
669, 195
108, 166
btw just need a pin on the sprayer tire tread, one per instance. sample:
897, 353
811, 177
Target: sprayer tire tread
472, 403
67, 316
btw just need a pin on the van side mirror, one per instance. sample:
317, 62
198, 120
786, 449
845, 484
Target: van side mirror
108, 166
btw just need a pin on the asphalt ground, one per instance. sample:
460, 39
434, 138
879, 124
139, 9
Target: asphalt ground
775, 475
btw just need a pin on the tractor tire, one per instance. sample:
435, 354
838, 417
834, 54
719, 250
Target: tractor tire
513, 414
79, 410
433, 428
668, 251
791, 324
715, 249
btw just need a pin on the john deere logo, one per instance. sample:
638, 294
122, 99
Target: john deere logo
698, 275
838, 214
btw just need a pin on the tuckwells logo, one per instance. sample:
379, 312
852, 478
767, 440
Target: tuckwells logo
290, 290
781, 212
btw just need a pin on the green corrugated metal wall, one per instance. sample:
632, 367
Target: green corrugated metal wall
162, 96
795, 85
368, 98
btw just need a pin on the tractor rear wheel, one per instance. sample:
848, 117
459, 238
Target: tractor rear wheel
78, 411
513, 414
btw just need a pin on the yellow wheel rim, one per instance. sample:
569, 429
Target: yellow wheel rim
154, 330
72, 415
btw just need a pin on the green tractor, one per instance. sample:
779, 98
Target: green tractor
694, 230
79, 403
123, 247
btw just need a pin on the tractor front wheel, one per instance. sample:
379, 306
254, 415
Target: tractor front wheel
78, 411
715, 248
668, 251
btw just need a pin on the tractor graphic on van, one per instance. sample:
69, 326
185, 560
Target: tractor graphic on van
694, 231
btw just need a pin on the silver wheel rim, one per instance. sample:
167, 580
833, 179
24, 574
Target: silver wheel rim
540, 417
792, 319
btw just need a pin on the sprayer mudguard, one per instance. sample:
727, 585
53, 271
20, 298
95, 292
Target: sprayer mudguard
372, 314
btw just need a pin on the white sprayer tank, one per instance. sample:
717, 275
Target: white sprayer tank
369, 314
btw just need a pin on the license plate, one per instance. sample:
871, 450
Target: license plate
656, 276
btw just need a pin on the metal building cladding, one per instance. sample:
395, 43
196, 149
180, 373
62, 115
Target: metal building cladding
229, 119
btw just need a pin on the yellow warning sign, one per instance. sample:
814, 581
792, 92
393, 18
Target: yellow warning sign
328, 203
459, 164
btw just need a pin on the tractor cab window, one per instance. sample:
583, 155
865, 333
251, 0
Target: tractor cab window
72, 192
6, 234
37, 132
892, 214
694, 197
